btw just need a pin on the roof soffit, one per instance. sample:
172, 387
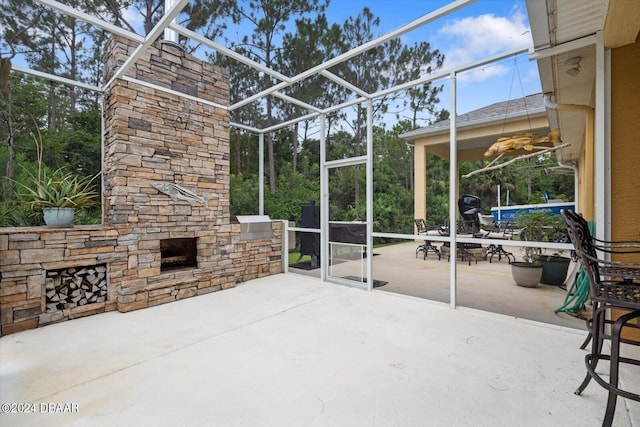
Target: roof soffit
622, 26
564, 23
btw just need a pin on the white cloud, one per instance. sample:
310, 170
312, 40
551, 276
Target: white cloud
483, 73
133, 16
468, 39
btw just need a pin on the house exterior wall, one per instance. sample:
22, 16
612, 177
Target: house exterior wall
625, 148
625, 142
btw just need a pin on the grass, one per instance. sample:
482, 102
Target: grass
293, 255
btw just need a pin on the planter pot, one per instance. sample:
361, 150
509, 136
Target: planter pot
554, 270
58, 217
526, 275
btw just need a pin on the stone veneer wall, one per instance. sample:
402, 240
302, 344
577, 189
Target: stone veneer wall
150, 136
26, 253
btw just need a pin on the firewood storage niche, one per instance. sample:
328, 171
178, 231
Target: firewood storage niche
72, 287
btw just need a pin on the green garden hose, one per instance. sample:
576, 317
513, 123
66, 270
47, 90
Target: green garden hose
573, 304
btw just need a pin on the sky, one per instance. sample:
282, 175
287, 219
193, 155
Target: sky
481, 29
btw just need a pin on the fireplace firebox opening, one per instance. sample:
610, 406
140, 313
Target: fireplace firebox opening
178, 254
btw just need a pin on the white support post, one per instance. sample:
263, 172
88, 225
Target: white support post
102, 151
499, 204
601, 177
324, 202
369, 195
261, 173
453, 193
285, 246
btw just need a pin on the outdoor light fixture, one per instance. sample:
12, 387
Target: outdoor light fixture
574, 65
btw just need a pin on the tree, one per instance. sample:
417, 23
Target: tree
415, 62
33, 30
311, 44
23, 109
393, 194
208, 17
58, 44
204, 15
385, 66
268, 20
526, 181
392, 159
363, 71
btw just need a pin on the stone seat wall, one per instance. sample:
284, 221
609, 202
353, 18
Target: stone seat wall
26, 254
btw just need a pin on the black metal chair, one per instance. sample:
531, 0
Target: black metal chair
496, 230
469, 207
423, 228
613, 285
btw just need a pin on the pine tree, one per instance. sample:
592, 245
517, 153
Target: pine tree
268, 19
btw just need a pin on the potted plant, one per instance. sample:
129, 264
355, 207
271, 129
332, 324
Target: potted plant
554, 266
58, 194
539, 226
528, 272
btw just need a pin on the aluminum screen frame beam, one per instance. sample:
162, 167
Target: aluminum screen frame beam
167, 22
113, 29
449, 8
148, 40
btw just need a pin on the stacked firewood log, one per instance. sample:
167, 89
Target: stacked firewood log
76, 286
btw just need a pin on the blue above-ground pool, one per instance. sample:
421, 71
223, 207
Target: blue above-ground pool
511, 212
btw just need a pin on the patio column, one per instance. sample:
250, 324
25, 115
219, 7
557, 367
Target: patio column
261, 173
369, 183
324, 202
420, 181
453, 191
601, 144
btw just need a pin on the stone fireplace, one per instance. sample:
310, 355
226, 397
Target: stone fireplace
167, 175
167, 232
178, 253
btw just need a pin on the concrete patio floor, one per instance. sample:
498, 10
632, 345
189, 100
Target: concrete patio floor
483, 286
289, 350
